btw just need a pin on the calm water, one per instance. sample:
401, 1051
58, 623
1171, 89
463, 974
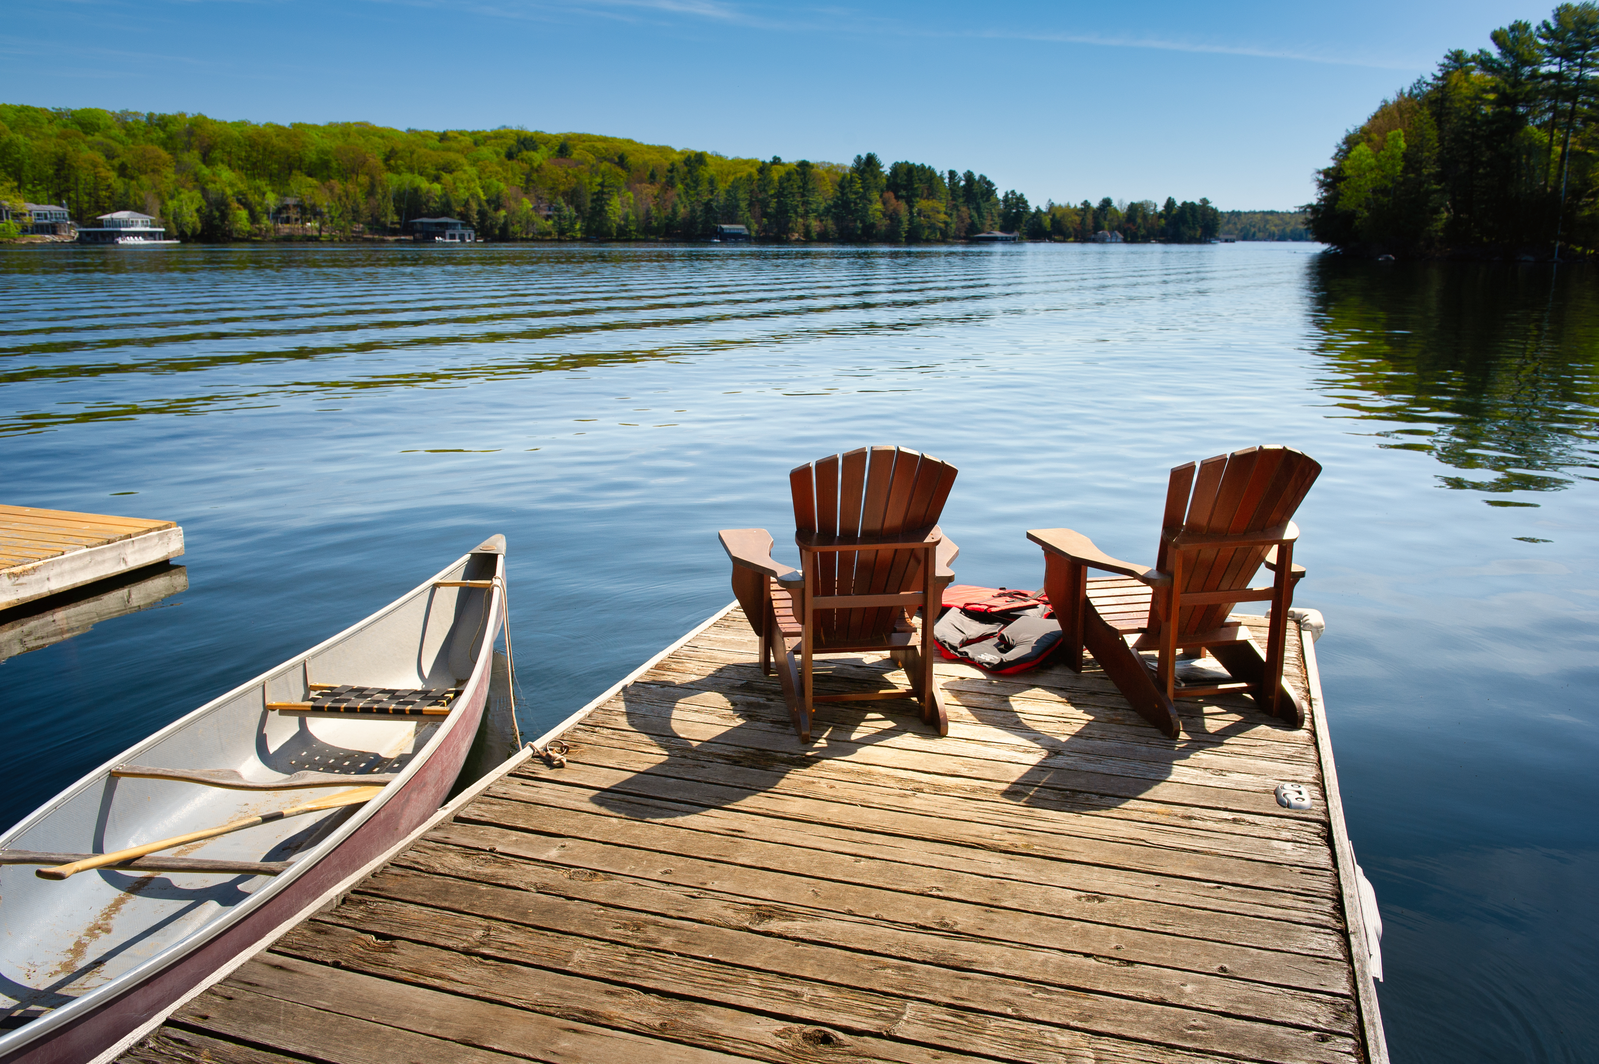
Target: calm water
332, 425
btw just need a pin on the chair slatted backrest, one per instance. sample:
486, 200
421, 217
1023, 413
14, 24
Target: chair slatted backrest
1246, 491
868, 492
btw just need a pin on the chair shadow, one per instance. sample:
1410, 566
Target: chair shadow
720, 767
1114, 757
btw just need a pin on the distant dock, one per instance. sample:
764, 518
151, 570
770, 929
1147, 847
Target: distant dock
45, 552
1052, 881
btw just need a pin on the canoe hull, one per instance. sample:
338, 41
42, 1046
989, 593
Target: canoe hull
105, 1017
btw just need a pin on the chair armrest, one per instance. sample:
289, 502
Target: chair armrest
1076, 547
1271, 563
751, 548
945, 554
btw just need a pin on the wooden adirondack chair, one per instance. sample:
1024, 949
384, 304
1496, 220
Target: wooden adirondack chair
1224, 517
871, 554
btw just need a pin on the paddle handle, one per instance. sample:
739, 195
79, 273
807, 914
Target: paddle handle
357, 796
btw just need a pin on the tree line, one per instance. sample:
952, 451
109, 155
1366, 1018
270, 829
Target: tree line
213, 180
1265, 225
1492, 155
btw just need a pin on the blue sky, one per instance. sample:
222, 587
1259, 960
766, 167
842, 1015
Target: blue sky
1236, 101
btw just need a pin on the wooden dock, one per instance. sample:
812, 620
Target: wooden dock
1053, 881
44, 552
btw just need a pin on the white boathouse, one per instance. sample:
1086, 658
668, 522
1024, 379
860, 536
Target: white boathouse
124, 227
442, 231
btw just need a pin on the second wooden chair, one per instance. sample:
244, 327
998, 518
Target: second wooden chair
1225, 517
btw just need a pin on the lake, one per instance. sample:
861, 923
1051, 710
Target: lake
331, 425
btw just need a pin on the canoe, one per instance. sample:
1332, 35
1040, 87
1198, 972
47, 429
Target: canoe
391, 704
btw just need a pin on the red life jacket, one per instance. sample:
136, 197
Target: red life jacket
991, 599
996, 629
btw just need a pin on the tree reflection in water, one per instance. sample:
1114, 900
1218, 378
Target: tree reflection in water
1491, 368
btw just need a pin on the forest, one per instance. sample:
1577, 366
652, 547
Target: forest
1492, 156
211, 180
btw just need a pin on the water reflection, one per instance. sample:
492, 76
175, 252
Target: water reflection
1489, 368
49, 621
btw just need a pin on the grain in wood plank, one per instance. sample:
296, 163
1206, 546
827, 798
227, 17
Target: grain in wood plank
174, 1045
667, 970
1086, 962
13, 535
917, 835
21, 558
893, 730
1091, 682
646, 772
681, 673
1190, 710
1175, 784
905, 1027
923, 933
61, 539
1098, 899
967, 739
37, 547
969, 800
229, 1012
9, 514
1291, 893
419, 1023
836, 1023
1024, 719
1050, 796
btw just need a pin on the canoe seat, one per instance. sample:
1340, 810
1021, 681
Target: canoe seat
375, 701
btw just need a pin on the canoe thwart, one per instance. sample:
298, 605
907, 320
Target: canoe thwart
149, 864
463, 583
232, 780
385, 701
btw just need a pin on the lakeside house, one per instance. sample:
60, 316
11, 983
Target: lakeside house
442, 231
291, 210
125, 228
1106, 237
732, 234
43, 219
994, 236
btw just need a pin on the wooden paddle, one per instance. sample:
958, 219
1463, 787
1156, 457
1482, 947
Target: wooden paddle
351, 797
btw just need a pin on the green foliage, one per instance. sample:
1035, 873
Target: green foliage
1265, 225
222, 181
1496, 153
9, 231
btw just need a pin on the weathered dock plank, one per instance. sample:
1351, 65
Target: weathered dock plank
1052, 881
44, 552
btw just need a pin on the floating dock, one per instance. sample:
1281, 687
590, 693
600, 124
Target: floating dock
1052, 881
44, 552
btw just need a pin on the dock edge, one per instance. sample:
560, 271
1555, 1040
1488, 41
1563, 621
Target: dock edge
1344, 856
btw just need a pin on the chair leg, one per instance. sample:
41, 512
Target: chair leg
1170, 604
806, 710
788, 674
933, 711
1066, 584
1282, 595
1246, 662
1126, 670
775, 648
